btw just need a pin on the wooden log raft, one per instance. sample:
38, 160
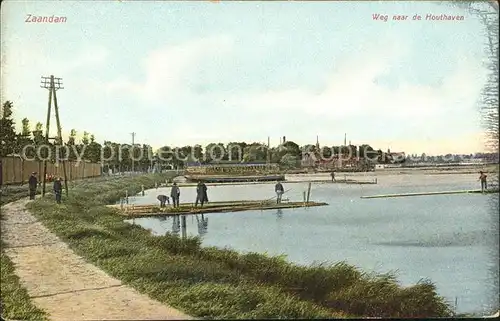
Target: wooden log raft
319, 181
212, 207
435, 193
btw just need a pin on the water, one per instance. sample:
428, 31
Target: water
450, 239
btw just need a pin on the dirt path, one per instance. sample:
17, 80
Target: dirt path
62, 283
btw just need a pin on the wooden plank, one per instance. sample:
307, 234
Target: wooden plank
431, 193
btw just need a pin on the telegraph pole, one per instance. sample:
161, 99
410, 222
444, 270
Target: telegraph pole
53, 84
46, 83
133, 149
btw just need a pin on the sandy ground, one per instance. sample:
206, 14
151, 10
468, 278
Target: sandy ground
63, 284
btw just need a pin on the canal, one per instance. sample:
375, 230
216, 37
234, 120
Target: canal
450, 239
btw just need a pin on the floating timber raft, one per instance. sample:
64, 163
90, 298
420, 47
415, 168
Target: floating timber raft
434, 193
323, 181
232, 179
212, 207
341, 181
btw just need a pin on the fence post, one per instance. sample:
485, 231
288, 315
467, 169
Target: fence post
308, 193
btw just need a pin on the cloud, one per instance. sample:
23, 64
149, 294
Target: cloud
25, 63
33, 57
352, 90
90, 57
169, 71
352, 96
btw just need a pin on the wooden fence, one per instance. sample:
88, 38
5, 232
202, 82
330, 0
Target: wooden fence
15, 170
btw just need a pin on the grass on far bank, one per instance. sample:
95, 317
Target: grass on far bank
221, 283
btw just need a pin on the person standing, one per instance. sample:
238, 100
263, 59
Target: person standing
201, 194
482, 178
33, 183
278, 188
175, 193
333, 176
58, 189
204, 192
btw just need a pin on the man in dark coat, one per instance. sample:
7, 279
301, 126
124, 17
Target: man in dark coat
163, 200
201, 194
175, 193
33, 183
278, 188
482, 178
58, 189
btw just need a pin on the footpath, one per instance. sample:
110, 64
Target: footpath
62, 283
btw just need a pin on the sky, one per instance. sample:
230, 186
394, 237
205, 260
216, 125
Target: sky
185, 73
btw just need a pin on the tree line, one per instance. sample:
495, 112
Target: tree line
122, 157
31, 143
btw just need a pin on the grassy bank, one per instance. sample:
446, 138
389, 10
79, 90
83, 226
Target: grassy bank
13, 193
219, 283
15, 303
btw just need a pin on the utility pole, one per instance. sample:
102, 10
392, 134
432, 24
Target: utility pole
53, 84
133, 149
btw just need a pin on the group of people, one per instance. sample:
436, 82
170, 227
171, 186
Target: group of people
202, 196
175, 193
33, 185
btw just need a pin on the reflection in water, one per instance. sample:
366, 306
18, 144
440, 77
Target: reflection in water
176, 227
279, 213
202, 225
176, 224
